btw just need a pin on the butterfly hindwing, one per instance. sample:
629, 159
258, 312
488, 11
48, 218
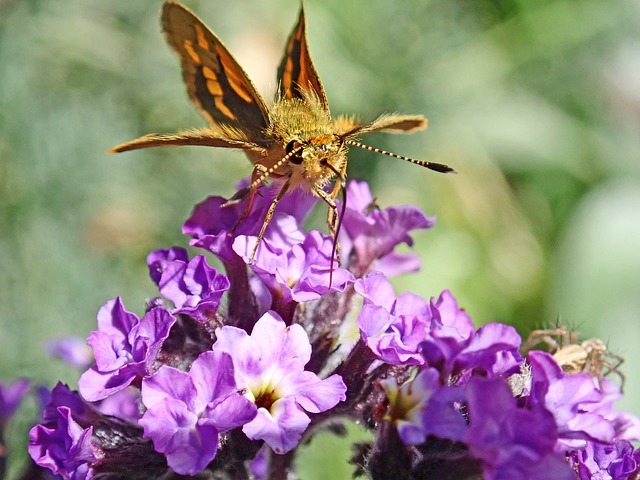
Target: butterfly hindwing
215, 82
296, 72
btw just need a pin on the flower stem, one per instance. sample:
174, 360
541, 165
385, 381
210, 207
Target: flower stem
242, 308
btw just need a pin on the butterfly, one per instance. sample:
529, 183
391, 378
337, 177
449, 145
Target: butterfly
295, 142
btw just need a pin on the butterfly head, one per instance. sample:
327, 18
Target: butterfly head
317, 158
305, 131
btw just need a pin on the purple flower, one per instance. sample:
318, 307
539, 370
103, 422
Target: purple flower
158, 260
116, 443
511, 442
210, 223
283, 233
424, 407
72, 350
187, 411
260, 464
370, 234
457, 350
193, 286
125, 348
616, 461
67, 450
269, 363
571, 399
10, 397
626, 426
294, 269
409, 331
263, 296
123, 404
393, 328
61, 396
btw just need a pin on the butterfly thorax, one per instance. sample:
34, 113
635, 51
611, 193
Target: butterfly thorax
304, 126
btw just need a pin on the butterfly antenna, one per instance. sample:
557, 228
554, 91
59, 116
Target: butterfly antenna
437, 167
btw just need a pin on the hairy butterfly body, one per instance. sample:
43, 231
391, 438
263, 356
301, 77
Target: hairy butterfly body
294, 142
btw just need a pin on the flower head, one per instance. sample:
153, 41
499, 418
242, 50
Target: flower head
62, 396
424, 407
511, 442
369, 234
571, 399
66, 449
186, 412
608, 461
295, 268
457, 350
269, 363
125, 348
193, 286
70, 425
123, 404
393, 328
212, 221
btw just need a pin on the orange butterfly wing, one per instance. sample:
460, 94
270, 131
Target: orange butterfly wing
296, 73
215, 82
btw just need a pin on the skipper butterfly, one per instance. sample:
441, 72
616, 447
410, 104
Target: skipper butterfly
294, 142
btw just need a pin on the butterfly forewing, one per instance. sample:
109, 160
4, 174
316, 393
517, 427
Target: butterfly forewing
392, 123
215, 82
296, 73
206, 138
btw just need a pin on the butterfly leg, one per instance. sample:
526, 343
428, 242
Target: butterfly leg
334, 226
332, 213
268, 217
241, 194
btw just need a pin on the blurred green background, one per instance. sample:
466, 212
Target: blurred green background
535, 103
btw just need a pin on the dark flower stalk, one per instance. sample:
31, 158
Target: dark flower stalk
242, 305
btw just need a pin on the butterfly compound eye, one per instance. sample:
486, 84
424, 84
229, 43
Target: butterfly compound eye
296, 157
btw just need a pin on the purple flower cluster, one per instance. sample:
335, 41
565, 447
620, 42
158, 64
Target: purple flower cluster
229, 373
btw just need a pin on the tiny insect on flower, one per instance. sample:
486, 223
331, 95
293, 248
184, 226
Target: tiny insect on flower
295, 142
590, 356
